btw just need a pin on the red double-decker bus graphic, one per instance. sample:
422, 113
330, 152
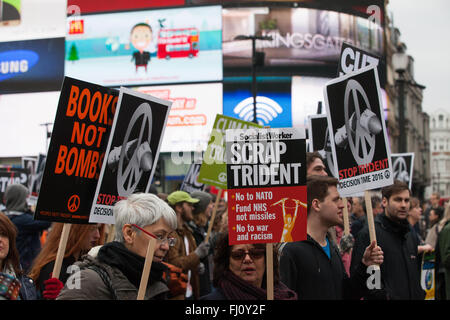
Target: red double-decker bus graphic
178, 43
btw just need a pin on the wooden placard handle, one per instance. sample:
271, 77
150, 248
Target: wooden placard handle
146, 271
370, 221
61, 250
369, 214
269, 270
213, 215
346, 218
112, 230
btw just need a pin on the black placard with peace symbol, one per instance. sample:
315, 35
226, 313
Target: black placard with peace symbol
132, 152
320, 141
403, 167
358, 132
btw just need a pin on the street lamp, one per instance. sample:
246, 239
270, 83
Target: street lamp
400, 62
257, 60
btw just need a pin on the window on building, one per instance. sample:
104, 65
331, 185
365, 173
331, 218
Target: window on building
441, 120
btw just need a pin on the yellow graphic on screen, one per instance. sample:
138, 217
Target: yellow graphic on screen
288, 218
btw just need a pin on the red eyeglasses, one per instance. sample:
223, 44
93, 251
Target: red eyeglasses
170, 241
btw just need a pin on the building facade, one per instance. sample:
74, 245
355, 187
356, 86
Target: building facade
440, 152
407, 123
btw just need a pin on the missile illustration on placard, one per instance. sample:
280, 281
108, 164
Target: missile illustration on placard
360, 128
143, 155
133, 157
367, 121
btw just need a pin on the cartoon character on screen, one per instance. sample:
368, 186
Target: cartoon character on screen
289, 219
140, 37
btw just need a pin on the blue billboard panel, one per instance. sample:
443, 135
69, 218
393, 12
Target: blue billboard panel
146, 47
31, 66
273, 100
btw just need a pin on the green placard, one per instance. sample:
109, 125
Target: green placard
214, 168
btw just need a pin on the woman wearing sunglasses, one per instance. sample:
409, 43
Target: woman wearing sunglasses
115, 273
240, 273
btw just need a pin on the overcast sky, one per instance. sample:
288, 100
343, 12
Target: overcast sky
425, 27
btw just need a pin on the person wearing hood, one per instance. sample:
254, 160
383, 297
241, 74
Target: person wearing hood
116, 270
313, 268
400, 277
199, 225
29, 230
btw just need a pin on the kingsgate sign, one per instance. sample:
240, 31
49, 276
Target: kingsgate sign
16, 62
304, 41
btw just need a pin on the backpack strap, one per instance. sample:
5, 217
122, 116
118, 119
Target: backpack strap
105, 278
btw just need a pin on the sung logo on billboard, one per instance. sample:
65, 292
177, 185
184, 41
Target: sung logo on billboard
16, 62
31, 65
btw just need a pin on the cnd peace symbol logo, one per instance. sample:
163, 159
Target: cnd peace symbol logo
361, 126
400, 170
128, 176
74, 203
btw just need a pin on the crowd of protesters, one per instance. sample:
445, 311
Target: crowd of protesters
190, 264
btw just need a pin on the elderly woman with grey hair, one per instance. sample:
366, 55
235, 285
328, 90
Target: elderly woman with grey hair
115, 273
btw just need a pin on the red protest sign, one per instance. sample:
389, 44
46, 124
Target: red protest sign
266, 185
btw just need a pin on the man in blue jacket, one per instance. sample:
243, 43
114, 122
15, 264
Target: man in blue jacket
313, 268
29, 230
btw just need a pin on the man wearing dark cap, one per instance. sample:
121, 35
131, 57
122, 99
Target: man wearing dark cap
186, 254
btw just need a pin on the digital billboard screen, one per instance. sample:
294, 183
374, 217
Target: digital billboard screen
191, 116
369, 9
89, 6
31, 19
273, 100
178, 45
31, 65
303, 40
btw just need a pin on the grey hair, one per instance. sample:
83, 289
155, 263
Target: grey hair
142, 209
